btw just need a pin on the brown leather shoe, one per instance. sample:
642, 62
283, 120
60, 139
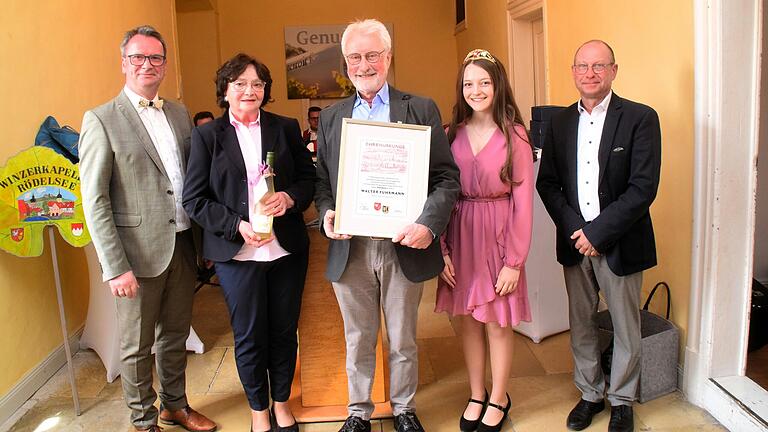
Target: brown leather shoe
187, 418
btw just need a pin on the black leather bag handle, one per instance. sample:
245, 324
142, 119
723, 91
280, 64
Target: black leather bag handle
653, 291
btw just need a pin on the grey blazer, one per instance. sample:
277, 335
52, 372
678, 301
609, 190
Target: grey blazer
417, 264
127, 195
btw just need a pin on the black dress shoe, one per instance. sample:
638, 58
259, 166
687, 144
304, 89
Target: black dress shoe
408, 422
581, 415
482, 427
471, 425
356, 424
622, 419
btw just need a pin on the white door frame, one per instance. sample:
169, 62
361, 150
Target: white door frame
727, 81
520, 14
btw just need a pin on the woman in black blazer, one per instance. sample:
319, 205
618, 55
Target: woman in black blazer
262, 278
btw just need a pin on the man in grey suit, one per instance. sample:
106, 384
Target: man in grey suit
371, 274
133, 153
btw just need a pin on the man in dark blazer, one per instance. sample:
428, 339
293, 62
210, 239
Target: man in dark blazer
133, 155
598, 177
370, 274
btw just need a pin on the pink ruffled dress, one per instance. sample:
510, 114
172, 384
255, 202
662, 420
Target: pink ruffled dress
490, 228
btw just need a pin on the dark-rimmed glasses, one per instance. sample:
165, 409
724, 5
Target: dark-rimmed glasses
139, 59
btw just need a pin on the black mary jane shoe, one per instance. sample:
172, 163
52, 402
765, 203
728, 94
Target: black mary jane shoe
471, 425
482, 427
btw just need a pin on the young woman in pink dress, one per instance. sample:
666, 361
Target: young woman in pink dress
486, 243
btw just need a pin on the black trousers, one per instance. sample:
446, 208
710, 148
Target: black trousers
264, 300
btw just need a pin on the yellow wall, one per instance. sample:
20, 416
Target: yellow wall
655, 55
424, 46
59, 58
486, 28
199, 55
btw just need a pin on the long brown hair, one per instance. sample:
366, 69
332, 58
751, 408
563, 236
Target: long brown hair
506, 114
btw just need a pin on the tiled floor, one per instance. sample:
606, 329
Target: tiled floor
541, 386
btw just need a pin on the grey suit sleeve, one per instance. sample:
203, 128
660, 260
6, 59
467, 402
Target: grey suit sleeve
444, 186
96, 160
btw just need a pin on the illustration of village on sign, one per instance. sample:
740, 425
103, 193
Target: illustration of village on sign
45, 204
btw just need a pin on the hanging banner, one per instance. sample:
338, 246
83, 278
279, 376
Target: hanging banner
39, 187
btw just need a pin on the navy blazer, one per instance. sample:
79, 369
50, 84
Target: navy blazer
629, 159
216, 186
443, 189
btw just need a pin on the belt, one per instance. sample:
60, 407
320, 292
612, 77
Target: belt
484, 199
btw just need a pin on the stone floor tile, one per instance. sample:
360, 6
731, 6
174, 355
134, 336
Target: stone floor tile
553, 353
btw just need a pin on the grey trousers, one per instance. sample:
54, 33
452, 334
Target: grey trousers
373, 281
622, 294
160, 314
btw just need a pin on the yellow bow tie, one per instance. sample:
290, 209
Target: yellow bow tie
143, 103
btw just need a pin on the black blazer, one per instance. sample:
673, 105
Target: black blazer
215, 189
417, 264
629, 159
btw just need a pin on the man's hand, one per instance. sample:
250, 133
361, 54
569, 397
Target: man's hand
277, 204
251, 238
583, 244
449, 273
415, 236
328, 218
124, 285
507, 281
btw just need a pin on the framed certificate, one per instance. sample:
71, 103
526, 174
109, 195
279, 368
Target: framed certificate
383, 177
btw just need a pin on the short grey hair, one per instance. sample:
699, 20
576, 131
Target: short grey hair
144, 30
367, 27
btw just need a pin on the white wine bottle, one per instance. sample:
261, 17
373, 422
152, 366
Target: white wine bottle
264, 189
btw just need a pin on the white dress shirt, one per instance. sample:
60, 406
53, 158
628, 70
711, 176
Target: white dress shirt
587, 165
249, 138
165, 143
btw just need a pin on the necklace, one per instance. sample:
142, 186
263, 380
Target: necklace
479, 136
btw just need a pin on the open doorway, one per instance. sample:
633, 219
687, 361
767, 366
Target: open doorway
527, 54
727, 128
757, 347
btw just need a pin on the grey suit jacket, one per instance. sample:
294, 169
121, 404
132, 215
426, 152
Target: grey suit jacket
417, 264
127, 195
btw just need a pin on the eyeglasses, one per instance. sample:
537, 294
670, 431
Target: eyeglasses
370, 57
139, 59
240, 86
313, 118
479, 54
596, 68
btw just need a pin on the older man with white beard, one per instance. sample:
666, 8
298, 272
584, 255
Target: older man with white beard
371, 275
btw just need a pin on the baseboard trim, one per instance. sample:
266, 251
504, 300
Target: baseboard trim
37, 377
